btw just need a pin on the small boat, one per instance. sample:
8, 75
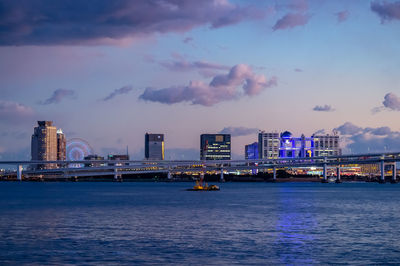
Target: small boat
206, 187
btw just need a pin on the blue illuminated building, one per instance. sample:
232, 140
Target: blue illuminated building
272, 145
292, 147
251, 151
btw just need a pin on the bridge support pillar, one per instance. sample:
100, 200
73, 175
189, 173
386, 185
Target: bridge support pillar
274, 173
382, 179
221, 177
19, 172
338, 180
394, 173
117, 177
325, 173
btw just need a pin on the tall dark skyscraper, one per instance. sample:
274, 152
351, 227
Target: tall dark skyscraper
44, 143
215, 147
154, 146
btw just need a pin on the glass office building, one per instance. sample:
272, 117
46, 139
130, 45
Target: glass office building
215, 147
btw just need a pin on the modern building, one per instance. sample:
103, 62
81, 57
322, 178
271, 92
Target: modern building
154, 146
285, 145
292, 147
326, 145
94, 157
61, 146
118, 157
215, 147
251, 151
44, 144
268, 145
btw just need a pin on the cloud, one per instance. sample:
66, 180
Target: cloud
58, 95
342, 15
298, 70
41, 22
367, 143
237, 15
123, 90
380, 131
183, 65
222, 87
355, 139
386, 11
380, 139
323, 108
392, 101
204, 68
242, 73
291, 20
239, 131
377, 109
348, 128
14, 113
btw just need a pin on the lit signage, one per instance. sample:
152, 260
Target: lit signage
219, 138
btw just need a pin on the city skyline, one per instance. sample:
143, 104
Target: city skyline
229, 67
49, 142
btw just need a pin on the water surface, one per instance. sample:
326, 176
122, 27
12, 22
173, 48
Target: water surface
161, 223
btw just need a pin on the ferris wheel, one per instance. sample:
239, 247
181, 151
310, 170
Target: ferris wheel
77, 150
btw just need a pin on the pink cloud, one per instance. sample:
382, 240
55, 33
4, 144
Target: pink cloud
224, 87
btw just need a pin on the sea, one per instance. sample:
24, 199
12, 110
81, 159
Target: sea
150, 223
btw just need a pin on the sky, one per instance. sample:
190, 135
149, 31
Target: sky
110, 71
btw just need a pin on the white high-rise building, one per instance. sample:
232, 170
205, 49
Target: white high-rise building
326, 145
268, 145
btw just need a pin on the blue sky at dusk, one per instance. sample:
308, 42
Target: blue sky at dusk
110, 71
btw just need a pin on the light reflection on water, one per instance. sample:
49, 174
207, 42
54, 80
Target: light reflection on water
246, 223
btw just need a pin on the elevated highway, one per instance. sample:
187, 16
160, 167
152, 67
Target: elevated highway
65, 169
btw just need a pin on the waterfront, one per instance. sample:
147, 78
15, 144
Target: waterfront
246, 223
